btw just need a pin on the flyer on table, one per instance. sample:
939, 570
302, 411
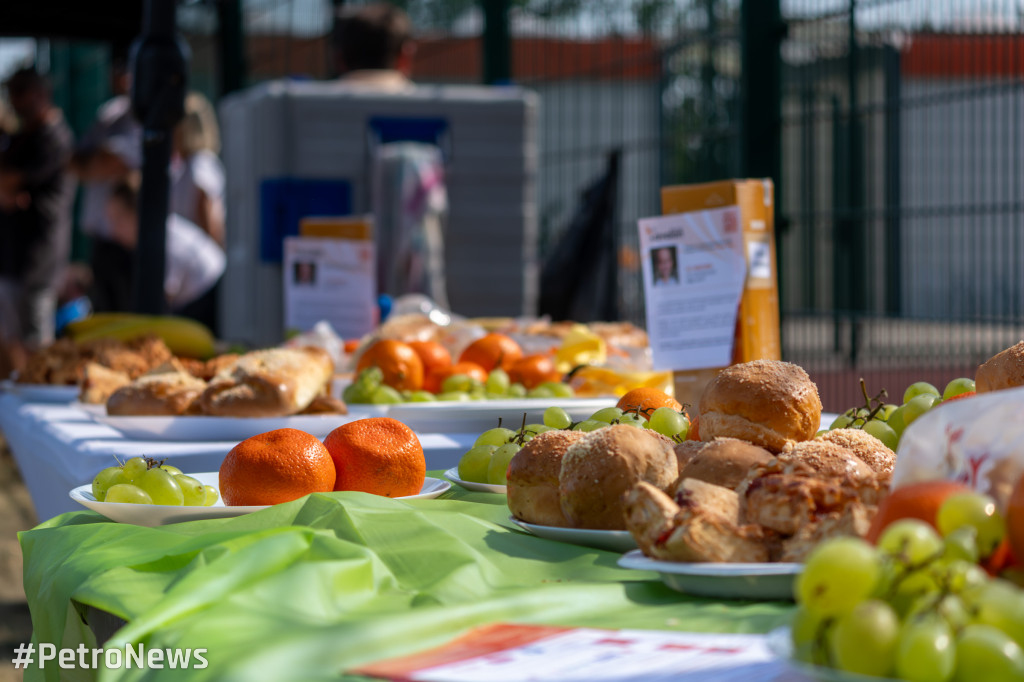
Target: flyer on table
330, 279
694, 268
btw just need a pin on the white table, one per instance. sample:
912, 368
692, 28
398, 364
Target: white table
58, 447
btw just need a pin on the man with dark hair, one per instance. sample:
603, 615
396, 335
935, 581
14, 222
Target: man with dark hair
373, 47
36, 192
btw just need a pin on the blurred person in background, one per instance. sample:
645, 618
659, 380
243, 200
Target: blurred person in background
197, 174
373, 47
194, 261
108, 153
36, 194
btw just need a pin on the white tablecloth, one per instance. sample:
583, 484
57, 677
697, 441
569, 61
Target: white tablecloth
58, 447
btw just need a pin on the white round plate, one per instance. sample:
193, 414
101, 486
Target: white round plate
453, 476
769, 581
780, 643
41, 393
479, 415
608, 540
160, 515
202, 428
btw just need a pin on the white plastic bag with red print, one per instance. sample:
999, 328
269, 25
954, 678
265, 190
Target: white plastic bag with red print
978, 441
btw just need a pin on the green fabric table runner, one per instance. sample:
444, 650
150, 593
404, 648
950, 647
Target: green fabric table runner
309, 589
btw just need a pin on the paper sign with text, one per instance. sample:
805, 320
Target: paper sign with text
694, 268
330, 279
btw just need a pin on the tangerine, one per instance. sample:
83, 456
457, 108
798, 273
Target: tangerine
645, 400
433, 355
913, 501
1015, 518
534, 370
434, 380
492, 350
402, 367
275, 467
379, 455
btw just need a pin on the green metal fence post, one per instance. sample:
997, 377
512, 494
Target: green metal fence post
497, 42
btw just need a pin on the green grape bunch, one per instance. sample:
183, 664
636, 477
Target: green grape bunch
143, 480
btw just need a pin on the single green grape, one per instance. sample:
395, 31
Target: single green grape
385, 395
104, 480
925, 651
421, 397
588, 425
532, 430
211, 496
459, 382
540, 392
668, 422
912, 539
974, 510
193, 493
162, 487
630, 419
557, 418
127, 493
496, 436
172, 470
607, 414
882, 432
961, 543
1001, 605
497, 472
864, 639
958, 387
841, 422
985, 653
919, 388
558, 389
497, 382
475, 462
918, 406
517, 391
134, 469
839, 574
895, 422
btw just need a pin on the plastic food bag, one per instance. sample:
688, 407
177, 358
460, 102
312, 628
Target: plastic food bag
977, 441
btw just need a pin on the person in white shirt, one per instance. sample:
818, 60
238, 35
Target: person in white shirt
197, 174
194, 261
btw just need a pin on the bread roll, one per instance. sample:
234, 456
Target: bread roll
766, 402
164, 393
866, 447
1002, 370
599, 468
827, 459
533, 478
268, 383
725, 462
686, 451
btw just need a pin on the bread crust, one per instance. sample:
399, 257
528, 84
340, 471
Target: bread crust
533, 494
268, 383
1003, 370
598, 469
725, 462
866, 447
163, 394
766, 402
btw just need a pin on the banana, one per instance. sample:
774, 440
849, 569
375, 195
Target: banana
98, 320
183, 336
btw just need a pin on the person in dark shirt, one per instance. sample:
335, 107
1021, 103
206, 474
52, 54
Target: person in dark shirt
36, 193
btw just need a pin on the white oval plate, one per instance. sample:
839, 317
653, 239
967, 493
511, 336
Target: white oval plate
453, 476
160, 515
769, 581
608, 540
202, 428
479, 415
780, 643
41, 393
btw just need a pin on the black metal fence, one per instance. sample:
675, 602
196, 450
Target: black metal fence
893, 130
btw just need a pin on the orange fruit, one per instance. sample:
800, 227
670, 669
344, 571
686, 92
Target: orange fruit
493, 350
647, 399
379, 455
534, 370
914, 501
434, 380
275, 467
433, 355
402, 367
1015, 518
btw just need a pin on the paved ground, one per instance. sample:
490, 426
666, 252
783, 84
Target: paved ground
16, 513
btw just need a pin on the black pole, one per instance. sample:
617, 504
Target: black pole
159, 70
497, 42
232, 46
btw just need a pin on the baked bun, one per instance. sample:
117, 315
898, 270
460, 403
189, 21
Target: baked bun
163, 393
866, 447
725, 462
827, 459
599, 468
765, 402
686, 451
1002, 370
268, 383
533, 478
